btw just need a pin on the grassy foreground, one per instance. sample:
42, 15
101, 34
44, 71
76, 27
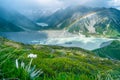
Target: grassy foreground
53, 63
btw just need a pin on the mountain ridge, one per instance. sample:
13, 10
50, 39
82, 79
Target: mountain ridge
20, 22
98, 21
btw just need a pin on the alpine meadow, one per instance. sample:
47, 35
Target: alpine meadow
60, 40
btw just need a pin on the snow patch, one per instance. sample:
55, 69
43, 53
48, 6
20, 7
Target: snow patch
42, 24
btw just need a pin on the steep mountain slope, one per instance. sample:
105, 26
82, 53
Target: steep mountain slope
103, 22
57, 63
8, 26
11, 20
36, 13
60, 16
99, 21
111, 51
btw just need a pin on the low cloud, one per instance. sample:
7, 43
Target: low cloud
54, 4
114, 3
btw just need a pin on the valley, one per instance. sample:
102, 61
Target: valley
72, 42
57, 37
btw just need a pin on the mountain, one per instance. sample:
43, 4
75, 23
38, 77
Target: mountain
36, 13
53, 63
98, 21
11, 20
61, 15
111, 51
8, 26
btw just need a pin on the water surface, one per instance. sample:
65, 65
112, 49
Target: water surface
59, 38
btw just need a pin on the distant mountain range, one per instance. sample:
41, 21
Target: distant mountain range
11, 20
98, 21
36, 13
88, 21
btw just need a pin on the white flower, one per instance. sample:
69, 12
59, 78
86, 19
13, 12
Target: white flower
17, 65
22, 64
32, 56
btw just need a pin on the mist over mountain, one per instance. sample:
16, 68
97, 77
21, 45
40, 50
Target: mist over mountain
86, 20
35, 14
74, 19
11, 20
59, 14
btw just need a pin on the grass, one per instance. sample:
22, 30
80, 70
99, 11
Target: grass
57, 63
112, 51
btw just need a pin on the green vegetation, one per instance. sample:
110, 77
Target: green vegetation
111, 51
56, 63
100, 31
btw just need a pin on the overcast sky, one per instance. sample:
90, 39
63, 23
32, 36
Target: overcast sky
58, 3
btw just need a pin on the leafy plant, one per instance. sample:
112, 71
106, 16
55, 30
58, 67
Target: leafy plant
27, 71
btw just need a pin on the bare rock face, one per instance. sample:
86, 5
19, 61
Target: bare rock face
99, 21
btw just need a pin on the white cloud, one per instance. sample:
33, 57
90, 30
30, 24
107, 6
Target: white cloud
59, 3
93, 3
32, 3
114, 3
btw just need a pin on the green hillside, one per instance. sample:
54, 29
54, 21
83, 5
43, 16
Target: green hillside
111, 51
54, 63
